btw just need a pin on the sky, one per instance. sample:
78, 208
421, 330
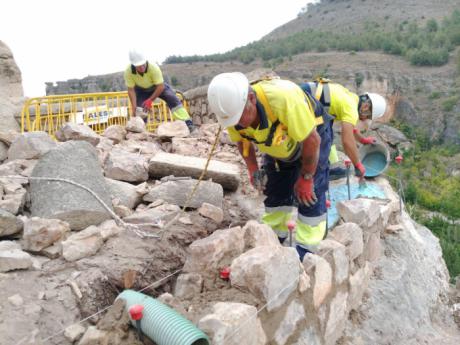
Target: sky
59, 40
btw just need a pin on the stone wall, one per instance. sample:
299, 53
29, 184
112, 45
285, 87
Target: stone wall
298, 303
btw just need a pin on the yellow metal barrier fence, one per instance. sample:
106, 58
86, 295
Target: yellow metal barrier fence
96, 110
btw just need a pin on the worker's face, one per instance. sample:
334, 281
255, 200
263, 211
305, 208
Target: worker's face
249, 115
141, 68
365, 111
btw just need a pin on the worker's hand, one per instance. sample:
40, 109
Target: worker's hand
362, 171
147, 105
367, 140
304, 191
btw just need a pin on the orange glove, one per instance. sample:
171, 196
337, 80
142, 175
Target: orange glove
305, 191
362, 170
147, 105
368, 140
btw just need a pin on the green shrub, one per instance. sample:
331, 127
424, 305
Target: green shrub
449, 103
435, 95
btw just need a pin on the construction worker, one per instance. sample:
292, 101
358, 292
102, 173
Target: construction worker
347, 107
295, 134
144, 81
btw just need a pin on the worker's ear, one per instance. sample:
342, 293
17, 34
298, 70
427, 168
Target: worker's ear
252, 97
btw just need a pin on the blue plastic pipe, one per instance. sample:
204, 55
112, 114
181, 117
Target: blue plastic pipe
162, 324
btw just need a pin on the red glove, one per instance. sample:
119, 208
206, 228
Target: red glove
304, 190
147, 105
368, 140
362, 170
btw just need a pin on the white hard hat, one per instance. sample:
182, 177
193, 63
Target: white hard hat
378, 105
227, 95
136, 58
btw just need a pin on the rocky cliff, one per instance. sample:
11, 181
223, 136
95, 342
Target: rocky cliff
11, 91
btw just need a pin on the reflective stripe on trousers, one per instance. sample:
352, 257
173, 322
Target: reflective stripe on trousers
277, 218
310, 231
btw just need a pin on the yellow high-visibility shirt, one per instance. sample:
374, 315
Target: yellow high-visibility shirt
344, 104
152, 77
290, 106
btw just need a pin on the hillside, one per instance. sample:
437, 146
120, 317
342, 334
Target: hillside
352, 15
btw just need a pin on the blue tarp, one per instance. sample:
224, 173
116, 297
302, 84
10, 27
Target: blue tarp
340, 193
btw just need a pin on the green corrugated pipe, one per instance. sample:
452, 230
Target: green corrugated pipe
162, 324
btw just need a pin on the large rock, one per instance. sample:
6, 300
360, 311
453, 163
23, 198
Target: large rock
165, 164
41, 233
188, 285
3, 151
406, 301
211, 212
125, 192
12, 257
189, 147
215, 251
30, 145
351, 236
295, 313
233, 324
116, 133
11, 91
337, 318
177, 192
14, 202
135, 125
125, 166
82, 244
265, 271
162, 213
390, 134
73, 131
358, 285
321, 271
335, 253
76, 161
364, 212
9, 224
257, 235
173, 129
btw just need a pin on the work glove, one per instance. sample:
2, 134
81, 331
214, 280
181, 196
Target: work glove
368, 140
360, 171
304, 191
257, 177
147, 105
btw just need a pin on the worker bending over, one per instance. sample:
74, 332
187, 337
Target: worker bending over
294, 132
347, 107
144, 81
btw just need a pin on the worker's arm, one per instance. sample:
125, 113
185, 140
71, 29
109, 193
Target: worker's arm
310, 153
363, 140
250, 159
132, 99
349, 143
305, 188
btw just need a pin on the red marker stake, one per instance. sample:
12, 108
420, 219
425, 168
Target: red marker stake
291, 227
225, 273
136, 315
398, 160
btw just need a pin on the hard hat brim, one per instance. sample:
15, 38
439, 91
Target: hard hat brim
139, 63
